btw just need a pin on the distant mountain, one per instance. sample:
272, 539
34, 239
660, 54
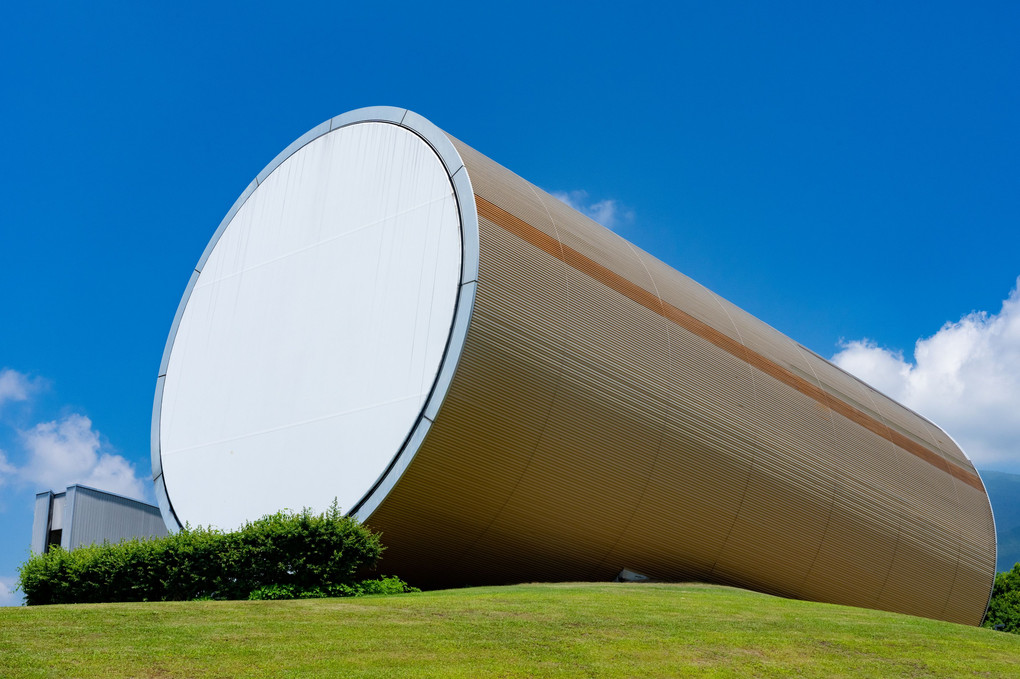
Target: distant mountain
1004, 493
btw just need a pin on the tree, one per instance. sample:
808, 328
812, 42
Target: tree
1004, 608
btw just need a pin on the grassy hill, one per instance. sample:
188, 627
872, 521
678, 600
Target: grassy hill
565, 630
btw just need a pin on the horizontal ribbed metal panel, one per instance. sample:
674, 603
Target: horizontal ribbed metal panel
608, 412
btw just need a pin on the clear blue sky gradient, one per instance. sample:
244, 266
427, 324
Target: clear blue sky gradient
839, 171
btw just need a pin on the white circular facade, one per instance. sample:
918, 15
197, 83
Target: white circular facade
315, 332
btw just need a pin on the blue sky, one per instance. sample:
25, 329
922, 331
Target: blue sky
849, 174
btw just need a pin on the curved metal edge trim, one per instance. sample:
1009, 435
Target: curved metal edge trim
163, 500
378, 491
469, 226
369, 504
312, 134
995, 529
444, 148
170, 519
229, 217
157, 402
368, 114
458, 334
468, 214
177, 320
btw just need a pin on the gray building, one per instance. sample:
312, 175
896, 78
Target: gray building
82, 516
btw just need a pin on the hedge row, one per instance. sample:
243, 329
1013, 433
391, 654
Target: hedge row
278, 556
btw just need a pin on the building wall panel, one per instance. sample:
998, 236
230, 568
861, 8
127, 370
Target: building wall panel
610, 413
99, 517
603, 411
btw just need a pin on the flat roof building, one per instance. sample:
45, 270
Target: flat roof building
80, 515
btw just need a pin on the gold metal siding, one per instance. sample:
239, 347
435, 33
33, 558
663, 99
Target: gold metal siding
608, 412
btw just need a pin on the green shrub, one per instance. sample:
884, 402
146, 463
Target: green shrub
384, 585
273, 592
1004, 608
279, 556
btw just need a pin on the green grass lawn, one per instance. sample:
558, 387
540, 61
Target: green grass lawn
566, 630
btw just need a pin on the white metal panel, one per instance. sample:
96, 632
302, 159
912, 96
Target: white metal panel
315, 132
227, 218
314, 334
41, 521
57, 512
66, 512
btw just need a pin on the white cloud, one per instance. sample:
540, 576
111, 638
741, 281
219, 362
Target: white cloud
8, 597
881, 368
6, 469
67, 451
15, 386
965, 378
609, 213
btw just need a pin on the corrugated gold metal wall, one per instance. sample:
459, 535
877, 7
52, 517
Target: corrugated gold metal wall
608, 412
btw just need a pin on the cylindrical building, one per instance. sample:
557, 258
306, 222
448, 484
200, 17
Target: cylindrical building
511, 392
